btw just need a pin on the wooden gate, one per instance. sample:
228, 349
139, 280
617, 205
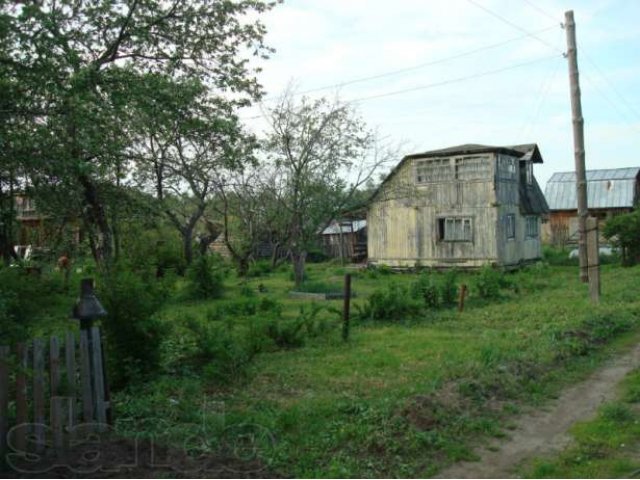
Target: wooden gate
51, 384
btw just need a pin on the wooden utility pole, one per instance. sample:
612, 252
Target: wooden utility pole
578, 142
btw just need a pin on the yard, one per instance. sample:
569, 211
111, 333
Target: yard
402, 397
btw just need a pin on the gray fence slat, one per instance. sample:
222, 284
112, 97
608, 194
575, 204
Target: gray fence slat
60, 416
98, 377
38, 392
85, 377
4, 397
22, 412
70, 365
54, 366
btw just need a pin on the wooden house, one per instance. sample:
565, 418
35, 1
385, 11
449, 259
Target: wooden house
463, 206
609, 192
345, 239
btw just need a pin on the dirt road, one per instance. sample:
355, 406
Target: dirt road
544, 431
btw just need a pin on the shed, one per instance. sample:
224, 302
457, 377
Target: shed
463, 206
345, 239
610, 192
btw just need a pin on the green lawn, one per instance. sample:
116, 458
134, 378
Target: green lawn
400, 398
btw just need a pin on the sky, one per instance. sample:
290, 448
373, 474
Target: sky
450, 72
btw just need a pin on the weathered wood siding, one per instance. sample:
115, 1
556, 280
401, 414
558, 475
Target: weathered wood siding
403, 221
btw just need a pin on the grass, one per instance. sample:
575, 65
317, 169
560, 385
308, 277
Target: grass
401, 398
605, 447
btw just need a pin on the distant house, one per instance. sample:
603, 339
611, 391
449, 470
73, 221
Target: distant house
609, 193
345, 239
464, 206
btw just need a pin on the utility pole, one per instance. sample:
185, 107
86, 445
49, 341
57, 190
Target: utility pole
578, 143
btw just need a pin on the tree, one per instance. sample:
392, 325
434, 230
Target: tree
320, 152
624, 231
75, 63
189, 142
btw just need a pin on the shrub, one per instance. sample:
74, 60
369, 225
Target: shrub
224, 355
286, 334
205, 277
395, 303
624, 231
132, 332
259, 268
426, 290
449, 287
24, 299
488, 283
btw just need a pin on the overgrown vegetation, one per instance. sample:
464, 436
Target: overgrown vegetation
624, 231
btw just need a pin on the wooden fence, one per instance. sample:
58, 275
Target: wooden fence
69, 379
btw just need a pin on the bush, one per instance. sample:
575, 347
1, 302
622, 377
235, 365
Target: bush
489, 282
425, 289
132, 332
395, 303
205, 277
225, 357
624, 231
24, 299
449, 288
259, 268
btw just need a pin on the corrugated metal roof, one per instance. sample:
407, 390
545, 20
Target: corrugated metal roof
347, 227
608, 188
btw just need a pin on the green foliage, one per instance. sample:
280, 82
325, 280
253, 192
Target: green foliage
259, 268
132, 329
205, 277
25, 299
624, 231
449, 287
293, 333
427, 290
224, 354
321, 287
488, 283
395, 303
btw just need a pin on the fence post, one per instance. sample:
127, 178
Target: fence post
463, 294
22, 416
593, 259
4, 399
38, 393
98, 378
70, 365
345, 311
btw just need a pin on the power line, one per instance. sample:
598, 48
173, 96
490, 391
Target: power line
450, 81
542, 96
422, 65
540, 10
514, 25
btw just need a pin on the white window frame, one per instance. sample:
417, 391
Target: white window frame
510, 226
532, 229
455, 229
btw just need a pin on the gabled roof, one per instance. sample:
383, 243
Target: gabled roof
347, 227
529, 150
525, 151
608, 188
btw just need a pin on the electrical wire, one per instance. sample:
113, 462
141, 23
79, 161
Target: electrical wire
540, 10
542, 96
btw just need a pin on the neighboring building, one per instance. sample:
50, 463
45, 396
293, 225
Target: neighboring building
463, 206
609, 192
346, 239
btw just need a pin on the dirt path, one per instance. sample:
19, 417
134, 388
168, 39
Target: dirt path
544, 431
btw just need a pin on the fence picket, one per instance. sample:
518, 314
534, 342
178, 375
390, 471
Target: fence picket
98, 377
22, 414
54, 366
38, 393
70, 365
4, 397
85, 377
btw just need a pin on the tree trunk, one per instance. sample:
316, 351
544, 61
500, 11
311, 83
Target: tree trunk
298, 259
187, 241
97, 215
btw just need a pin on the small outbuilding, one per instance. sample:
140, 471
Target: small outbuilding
345, 239
464, 206
610, 192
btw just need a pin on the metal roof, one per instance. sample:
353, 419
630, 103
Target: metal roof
527, 151
347, 227
609, 188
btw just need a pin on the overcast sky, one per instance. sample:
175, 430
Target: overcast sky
513, 89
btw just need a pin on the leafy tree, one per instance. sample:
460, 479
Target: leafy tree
624, 231
74, 65
313, 146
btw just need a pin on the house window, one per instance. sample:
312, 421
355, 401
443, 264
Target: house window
472, 168
529, 170
507, 168
455, 229
510, 226
532, 227
433, 170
